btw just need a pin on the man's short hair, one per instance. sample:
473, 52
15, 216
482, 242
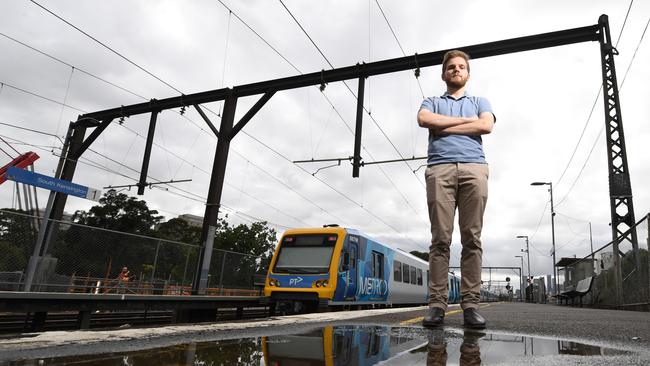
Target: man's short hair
451, 54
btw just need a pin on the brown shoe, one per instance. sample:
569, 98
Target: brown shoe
472, 319
434, 318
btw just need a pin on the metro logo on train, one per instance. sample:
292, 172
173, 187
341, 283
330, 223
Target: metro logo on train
373, 286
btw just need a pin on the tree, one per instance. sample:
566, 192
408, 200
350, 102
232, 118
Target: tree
422, 255
256, 243
17, 239
177, 262
179, 230
86, 251
117, 211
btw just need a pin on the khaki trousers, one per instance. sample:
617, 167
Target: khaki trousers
450, 186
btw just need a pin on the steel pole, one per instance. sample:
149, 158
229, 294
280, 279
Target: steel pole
553, 237
528, 256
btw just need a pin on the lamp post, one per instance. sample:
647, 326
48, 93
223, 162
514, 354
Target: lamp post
521, 278
527, 252
550, 184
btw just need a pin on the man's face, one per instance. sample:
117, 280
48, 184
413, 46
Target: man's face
456, 73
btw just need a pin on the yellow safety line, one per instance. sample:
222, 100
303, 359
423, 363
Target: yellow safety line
451, 312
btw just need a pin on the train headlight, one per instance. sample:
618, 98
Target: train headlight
325, 283
318, 283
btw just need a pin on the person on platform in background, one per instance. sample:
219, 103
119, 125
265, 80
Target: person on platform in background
123, 279
456, 178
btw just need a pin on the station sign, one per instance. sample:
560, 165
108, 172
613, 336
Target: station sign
53, 184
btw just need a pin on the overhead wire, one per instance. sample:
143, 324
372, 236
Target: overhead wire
260, 37
225, 58
158, 180
156, 77
353, 94
70, 65
6, 153
183, 193
397, 40
8, 144
43, 97
65, 99
593, 107
145, 70
131, 92
603, 127
330, 102
106, 46
583, 132
356, 97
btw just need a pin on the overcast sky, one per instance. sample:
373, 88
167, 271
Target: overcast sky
542, 100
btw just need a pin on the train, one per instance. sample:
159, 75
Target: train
341, 268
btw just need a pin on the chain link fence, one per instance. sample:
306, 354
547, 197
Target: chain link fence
84, 259
605, 278
498, 283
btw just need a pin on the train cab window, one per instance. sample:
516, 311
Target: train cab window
406, 273
413, 275
305, 254
419, 277
397, 271
377, 265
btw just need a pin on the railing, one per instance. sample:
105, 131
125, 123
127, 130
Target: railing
88, 260
622, 282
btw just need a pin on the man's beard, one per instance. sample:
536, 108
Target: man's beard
455, 83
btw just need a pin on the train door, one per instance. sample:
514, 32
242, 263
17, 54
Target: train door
350, 267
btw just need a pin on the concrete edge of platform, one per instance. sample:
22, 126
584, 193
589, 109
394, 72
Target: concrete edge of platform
41, 340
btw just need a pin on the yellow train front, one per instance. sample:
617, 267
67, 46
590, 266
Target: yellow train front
334, 266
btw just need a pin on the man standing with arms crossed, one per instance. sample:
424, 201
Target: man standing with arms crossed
456, 177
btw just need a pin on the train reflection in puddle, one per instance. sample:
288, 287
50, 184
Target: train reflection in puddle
339, 345
369, 345
354, 345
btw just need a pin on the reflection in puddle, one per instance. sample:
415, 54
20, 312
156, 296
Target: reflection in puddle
353, 345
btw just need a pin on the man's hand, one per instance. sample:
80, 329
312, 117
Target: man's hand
437, 122
479, 126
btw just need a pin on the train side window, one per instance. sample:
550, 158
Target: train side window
413, 276
377, 265
419, 276
406, 273
397, 271
353, 255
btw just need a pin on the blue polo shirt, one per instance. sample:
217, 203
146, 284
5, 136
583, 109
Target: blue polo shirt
456, 148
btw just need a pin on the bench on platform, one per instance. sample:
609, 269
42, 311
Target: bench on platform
582, 288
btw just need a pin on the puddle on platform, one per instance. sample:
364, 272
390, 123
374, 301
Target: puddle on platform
362, 345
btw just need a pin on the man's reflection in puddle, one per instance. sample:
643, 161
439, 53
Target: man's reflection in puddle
470, 353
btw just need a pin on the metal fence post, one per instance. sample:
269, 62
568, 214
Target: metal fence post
155, 261
223, 265
187, 259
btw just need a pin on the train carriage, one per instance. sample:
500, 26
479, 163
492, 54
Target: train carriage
334, 266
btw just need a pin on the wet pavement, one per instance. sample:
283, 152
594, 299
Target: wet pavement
517, 334
366, 345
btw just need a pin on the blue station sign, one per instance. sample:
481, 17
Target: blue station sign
53, 184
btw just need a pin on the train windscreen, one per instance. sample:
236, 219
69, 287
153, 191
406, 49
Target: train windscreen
305, 254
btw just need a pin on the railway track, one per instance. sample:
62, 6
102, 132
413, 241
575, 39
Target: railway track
18, 323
